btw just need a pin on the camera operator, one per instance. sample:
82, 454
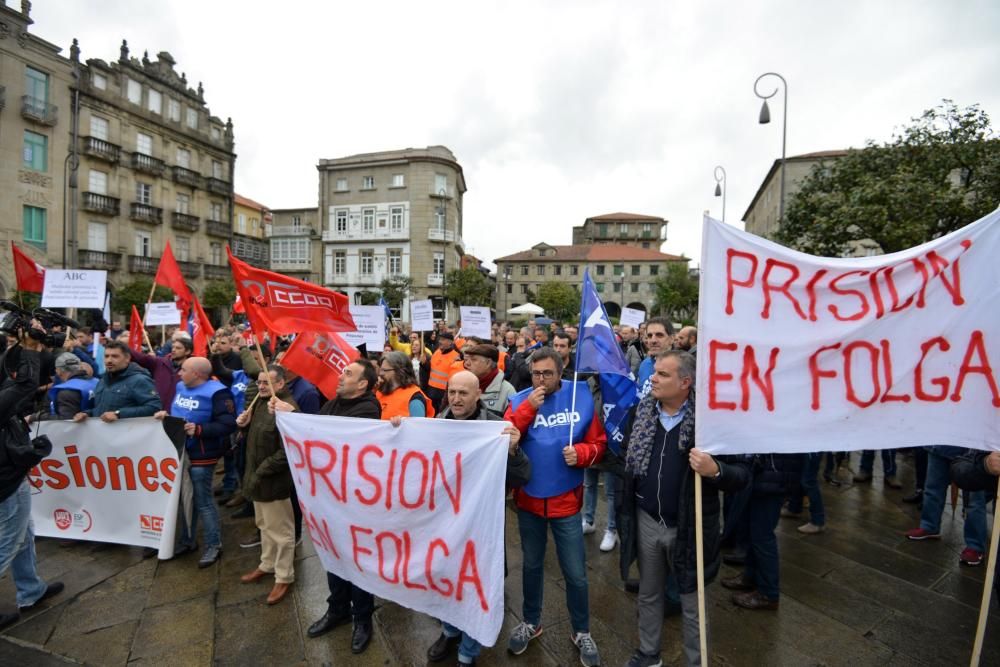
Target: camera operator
19, 380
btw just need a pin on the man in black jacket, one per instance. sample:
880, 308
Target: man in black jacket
657, 521
19, 368
978, 471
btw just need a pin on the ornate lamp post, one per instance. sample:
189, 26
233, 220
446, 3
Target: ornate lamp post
720, 188
765, 118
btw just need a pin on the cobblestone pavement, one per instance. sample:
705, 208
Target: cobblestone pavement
859, 594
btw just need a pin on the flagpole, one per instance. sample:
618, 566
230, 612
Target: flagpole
572, 410
984, 608
699, 542
263, 367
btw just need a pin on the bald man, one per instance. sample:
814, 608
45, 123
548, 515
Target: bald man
687, 340
209, 415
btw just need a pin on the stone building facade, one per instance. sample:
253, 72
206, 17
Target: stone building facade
392, 213
250, 219
296, 245
631, 229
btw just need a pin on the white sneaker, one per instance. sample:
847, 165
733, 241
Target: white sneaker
610, 540
588, 528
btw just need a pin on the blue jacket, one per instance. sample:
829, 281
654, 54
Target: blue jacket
131, 392
215, 422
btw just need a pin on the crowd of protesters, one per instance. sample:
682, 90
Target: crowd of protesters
228, 400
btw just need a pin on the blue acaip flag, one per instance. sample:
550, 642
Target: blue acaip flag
618, 395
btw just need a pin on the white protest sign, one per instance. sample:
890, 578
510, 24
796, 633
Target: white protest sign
162, 313
370, 323
74, 288
799, 353
476, 322
422, 315
632, 317
413, 514
113, 482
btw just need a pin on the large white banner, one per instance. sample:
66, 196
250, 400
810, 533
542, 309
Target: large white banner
413, 514
108, 482
799, 353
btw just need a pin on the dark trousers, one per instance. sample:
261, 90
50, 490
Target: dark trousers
762, 564
920, 462
346, 598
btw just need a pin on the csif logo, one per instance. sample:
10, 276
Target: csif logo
187, 403
556, 419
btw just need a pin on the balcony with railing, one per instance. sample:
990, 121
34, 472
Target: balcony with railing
140, 264
97, 203
101, 149
217, 185
188, 223
291, 230
441, 235
213, 272
379, 234
147, 164
94, 259
190, 269
186, 176
218, 228
152, 215
293, 265
39, 111
435, 279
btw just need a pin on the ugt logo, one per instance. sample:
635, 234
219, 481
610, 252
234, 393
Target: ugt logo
63, 519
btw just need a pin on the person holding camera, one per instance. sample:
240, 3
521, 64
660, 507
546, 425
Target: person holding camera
19, 453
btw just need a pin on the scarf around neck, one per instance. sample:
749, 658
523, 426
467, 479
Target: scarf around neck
640, 442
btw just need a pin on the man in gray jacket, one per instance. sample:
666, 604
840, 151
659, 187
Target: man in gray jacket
481, 361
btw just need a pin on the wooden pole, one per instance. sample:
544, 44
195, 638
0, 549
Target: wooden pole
700, 556
263, 367
145, 335
984, 608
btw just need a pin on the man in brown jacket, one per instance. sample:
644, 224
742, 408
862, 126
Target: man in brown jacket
268, 483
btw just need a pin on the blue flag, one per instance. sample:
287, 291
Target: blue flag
598, 351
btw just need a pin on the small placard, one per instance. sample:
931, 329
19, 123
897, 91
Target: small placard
161, 314
476, 322
74, 288
422, 315
632, 317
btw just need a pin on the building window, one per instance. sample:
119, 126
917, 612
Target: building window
396, 218
97, 236
524, 269
341, 219
395, 262
647, 230
617, 286
215, 211
34, 225
241, 223
290, 251
510, 288
440, 184
600, 287
654, 270
636, 268
540, 269
524, 289
367, 262
557, 269
36, 151
192, 118
341, 185
398, 181
217, 170
368, 220
173, 110
133, 89
183, 203
574, 270
99, 81
143, 244
623, 229
645, 244
215, 250
439, 263
602, 230
619, 269
154, 101
99, 128
144, 193
368, 183
183, 248
635, 287
600, 269
340, 262
184, 158
97, 182
296, 222
143, 143
216, 134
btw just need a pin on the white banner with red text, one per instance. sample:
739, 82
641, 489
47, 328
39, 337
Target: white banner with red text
108, 482
413, 514
798, 353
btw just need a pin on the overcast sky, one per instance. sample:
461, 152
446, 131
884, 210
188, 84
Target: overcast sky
557, 111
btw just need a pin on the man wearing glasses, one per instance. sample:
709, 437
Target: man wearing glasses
398, 392
560, 436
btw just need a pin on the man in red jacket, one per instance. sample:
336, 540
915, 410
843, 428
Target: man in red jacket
550, 416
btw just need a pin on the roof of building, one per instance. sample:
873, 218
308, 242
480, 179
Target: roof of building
439, 154
804, 157
246, 201
626, 216
592, 253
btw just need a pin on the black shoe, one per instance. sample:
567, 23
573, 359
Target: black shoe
182, 549
328, 622
443, 647
914, 498
54, 588
225, 497
212, 554
245, 512
735, 558
631, 585
9, 619
360, 637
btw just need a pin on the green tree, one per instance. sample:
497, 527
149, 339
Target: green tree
676, 293
395, 289
136, 293
561, 301
936, 175
369, 297
219, 294
468, 287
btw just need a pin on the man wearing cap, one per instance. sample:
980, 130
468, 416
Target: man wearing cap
74, 392
441, 367
495, 392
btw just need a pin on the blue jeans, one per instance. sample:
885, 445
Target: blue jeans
17, 546
935, 493
762, 565
590, 476
567, 533
468, 648
204, 507
231, 474
888, 462
810, 486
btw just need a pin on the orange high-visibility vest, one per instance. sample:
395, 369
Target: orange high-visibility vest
441, 369
397, 403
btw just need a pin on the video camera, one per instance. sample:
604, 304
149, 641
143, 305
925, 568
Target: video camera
17, 322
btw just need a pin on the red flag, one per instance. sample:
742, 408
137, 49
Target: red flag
284, 305
320, 358
238, 305
30, 274
169, 275
136, 331
201, 331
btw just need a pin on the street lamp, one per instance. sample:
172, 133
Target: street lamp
443, 211
765, 118
720, 188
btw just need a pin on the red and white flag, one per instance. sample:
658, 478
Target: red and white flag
136, 332
29, 273
168, 274
320, 358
